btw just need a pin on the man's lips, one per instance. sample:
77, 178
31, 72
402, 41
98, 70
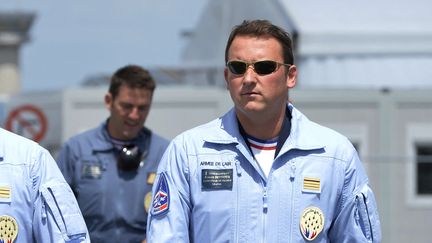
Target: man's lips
129, 124
249, 93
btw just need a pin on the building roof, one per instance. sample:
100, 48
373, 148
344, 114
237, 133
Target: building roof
362, 27
360, 44
14, 27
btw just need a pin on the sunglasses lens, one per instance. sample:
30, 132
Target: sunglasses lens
237, 67
261, 67
265, 67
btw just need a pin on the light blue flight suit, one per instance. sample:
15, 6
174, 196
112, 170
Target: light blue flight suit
209, 188
111, 200
35, 200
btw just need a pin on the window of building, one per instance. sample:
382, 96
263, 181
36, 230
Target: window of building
424, 169
418, 166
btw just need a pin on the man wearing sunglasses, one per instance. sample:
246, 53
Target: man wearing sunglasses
262, 172
112, 167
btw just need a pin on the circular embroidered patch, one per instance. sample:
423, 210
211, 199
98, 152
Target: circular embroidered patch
311, 222
8, 228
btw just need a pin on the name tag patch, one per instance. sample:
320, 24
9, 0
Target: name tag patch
212, 179
91, 171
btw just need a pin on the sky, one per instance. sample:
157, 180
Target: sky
74, 40
71, 41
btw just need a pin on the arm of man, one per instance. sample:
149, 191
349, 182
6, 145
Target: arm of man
57, 217
357, 220
66, 163
168, 220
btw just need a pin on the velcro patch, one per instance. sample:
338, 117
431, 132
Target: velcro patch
151, 178
311, 184
213, 179
160, 203
311, 223
91, 171
5, 192
8, 228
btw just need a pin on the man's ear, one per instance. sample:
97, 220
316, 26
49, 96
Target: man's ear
292, 77
108, 100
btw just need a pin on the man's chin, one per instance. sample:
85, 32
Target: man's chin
128, 135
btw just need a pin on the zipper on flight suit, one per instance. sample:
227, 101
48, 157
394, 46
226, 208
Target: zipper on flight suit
239, 172
265, 208
292, 177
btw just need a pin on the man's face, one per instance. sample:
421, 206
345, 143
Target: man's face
129, 110
254, 94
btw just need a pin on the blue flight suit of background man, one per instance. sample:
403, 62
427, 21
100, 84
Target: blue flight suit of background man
108, 197
36, 203
111, 168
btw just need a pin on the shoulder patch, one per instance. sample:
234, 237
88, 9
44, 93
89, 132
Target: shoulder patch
161, 198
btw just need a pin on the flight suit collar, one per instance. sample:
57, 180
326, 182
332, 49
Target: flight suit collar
102, 141
302, 135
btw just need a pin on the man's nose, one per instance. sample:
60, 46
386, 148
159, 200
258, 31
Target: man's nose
249, 76
134, 114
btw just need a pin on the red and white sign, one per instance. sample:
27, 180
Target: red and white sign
28, 121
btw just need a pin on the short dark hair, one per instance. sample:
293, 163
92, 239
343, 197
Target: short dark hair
263, 28
133, 76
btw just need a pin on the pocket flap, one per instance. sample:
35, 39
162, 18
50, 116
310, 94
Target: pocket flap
62, 203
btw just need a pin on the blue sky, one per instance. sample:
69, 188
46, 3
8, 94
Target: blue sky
72, 40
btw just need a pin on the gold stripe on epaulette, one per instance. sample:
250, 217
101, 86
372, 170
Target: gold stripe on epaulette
313, 184
5, 192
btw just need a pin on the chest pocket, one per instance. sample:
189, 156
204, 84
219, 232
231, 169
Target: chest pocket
5, 186
10, 178
91, 168
216, 173
214, 193
59, 199
90, 187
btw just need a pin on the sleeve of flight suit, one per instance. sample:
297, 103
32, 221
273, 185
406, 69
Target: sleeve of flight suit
57, 217
171, 223
66, 163
357, 220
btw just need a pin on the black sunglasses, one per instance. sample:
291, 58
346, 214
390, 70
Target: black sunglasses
260, 67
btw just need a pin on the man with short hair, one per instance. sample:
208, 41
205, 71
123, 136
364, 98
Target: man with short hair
111, 168
262, 172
